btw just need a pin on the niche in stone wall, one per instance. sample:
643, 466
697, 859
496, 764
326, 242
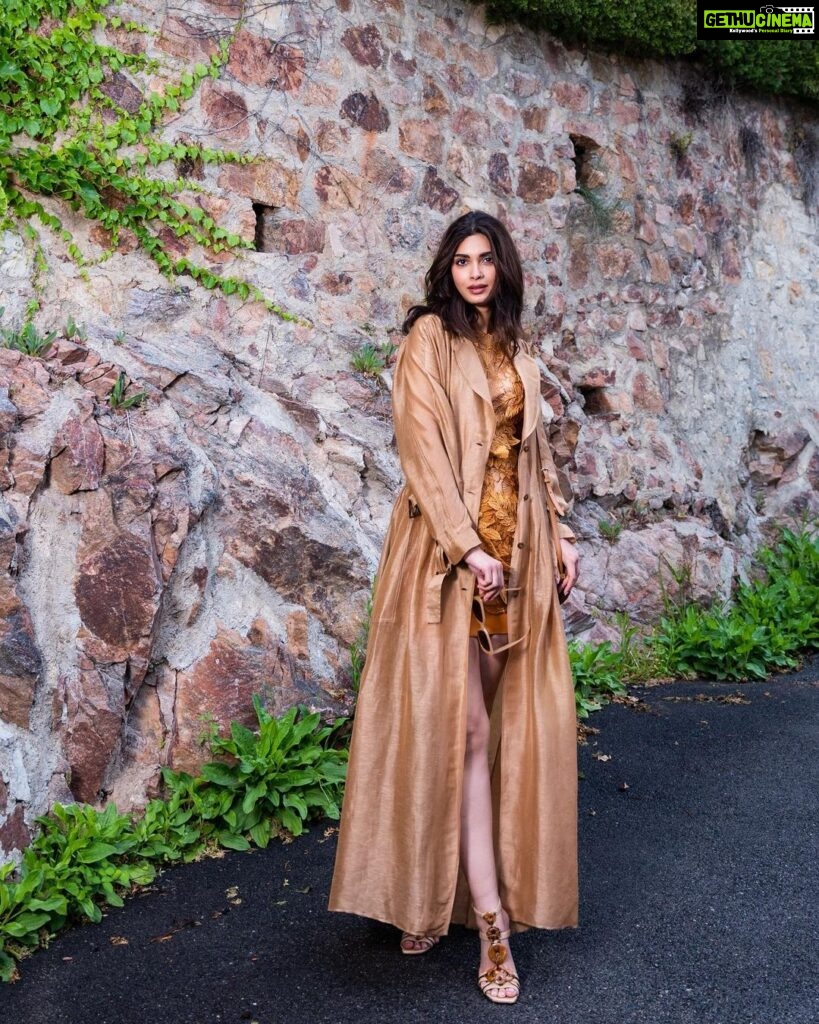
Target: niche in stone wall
589, 171
267, 233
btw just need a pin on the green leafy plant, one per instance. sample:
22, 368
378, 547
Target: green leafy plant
277, 778
596, 670
73, 330
280, 775
766, 627
79, 859
119, 401
26, 339
770, 621
372, 359
63, 137
610, 529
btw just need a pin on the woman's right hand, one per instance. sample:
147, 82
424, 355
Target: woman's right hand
488, 573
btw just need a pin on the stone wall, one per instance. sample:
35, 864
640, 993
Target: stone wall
167, 563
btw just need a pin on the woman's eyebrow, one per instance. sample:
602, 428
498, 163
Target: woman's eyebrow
466, 255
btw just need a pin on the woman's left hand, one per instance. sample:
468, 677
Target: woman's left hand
571, 559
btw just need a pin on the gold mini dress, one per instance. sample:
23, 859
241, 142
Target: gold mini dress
498, 513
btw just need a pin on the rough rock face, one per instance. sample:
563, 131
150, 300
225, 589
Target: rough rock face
167, 563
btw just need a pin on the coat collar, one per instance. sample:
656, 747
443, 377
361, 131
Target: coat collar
470, 366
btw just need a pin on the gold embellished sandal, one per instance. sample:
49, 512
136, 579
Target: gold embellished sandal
498, 977
425, 943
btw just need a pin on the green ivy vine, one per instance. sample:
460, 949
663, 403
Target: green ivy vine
668, 28
62, 136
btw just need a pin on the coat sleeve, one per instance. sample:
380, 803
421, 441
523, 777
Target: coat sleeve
426, 435
550, 478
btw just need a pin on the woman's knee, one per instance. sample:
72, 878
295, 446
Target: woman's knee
477, 730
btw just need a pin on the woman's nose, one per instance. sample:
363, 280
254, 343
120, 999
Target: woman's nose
477, 270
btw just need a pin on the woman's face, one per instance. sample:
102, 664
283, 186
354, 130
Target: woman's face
473, 270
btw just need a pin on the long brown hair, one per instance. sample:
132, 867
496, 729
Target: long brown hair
458, 316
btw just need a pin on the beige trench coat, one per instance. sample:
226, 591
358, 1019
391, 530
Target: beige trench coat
398, 857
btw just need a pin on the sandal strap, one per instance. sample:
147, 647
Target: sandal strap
498, 977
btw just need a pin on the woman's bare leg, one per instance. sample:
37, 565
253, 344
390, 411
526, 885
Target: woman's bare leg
477, 847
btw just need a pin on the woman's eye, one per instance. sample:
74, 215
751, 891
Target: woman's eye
487, 259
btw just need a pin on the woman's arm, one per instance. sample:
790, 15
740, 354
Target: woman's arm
427, 441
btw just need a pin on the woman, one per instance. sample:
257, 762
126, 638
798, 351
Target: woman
462, 778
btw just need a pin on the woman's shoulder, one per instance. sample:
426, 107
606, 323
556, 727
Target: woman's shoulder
427, 325
427, 332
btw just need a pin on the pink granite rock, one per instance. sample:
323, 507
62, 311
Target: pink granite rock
365, 45
268, 63
436, 193
366, 111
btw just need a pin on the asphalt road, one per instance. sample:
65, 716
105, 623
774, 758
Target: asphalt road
700, 901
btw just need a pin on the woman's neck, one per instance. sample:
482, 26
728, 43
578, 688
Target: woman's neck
484, 319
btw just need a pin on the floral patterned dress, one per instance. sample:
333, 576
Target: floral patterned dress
497, 518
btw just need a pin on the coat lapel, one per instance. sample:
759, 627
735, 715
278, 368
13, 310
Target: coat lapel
471, 368
469, 363
530, 376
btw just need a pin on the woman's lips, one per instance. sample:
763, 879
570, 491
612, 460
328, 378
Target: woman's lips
477, 288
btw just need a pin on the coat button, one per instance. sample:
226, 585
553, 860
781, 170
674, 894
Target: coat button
526, 447
525, 497
521, 545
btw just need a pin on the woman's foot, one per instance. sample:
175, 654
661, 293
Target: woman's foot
497, 978
412, 945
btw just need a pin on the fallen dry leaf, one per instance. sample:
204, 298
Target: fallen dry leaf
599, 756
737, 697
118, 940
167, 936
584, 731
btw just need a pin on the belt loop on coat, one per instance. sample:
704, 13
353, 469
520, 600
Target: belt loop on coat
434, 591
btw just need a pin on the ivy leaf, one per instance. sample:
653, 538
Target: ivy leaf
50, 107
